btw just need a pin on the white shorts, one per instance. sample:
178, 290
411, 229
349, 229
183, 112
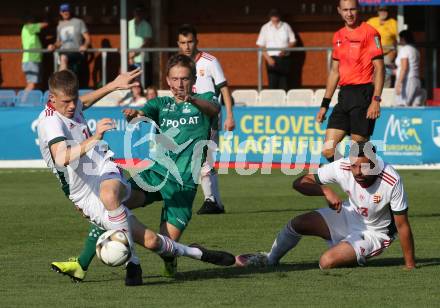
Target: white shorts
91, 205
365, 243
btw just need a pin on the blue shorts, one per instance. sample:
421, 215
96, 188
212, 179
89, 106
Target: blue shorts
31, 71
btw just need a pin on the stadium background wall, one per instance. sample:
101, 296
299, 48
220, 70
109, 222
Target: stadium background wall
286, 136
225, 23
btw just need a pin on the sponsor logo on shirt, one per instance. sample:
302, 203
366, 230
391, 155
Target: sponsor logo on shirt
377, 41
182, 121
169, 107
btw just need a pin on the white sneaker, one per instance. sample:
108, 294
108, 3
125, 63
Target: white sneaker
258, 259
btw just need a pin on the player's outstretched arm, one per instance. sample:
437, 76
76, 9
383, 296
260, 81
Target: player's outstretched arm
64, 153
307, 185
122, 82
205, 106
406, 240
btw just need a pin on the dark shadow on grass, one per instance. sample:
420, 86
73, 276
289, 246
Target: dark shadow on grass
430, 215
422, 262
236, 272
247, 273
116, 277
290, 209
214, 273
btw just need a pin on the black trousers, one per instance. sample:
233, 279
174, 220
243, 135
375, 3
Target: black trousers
279, 73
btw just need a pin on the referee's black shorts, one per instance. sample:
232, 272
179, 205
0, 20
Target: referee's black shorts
350, 113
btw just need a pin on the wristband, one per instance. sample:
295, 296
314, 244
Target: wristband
325, 102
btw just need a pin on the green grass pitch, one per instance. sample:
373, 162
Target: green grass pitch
39, 225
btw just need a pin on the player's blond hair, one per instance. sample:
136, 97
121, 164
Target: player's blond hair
64, 81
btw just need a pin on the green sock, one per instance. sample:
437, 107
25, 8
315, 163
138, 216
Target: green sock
89, 250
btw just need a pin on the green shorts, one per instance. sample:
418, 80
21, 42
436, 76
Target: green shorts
178, 200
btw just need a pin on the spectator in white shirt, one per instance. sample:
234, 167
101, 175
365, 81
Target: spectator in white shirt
134, 98
408, 86
277, 34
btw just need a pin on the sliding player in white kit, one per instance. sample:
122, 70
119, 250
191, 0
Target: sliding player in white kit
89, 177
210, 78
356, 229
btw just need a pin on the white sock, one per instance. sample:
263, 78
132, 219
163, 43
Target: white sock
170, 248
118, 220
285, 241
205, 182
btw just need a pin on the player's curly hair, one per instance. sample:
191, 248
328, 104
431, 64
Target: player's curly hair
182, 60
64, 81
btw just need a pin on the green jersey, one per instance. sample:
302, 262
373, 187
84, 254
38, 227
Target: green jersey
181, 141
30, 40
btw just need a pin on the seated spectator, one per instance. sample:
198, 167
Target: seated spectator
408, 86
151, 92
135, 98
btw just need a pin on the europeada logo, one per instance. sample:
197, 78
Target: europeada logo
401, 137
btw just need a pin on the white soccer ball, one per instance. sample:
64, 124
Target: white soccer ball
113, 248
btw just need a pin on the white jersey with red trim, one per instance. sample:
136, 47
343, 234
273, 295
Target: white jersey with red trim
78, 176
210, 77
369, 208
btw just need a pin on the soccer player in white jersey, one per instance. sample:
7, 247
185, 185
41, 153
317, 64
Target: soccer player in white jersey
89, 177
356, 229
210, 78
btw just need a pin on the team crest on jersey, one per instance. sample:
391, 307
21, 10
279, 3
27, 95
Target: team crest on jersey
202, 72
377, 41
338, 43
362, 197
186, 108
377, 198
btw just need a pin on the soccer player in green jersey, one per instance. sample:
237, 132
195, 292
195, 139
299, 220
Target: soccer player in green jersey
184, 122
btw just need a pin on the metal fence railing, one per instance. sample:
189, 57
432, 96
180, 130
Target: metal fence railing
431, 56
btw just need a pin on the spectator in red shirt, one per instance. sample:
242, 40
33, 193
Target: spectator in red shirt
358, 68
